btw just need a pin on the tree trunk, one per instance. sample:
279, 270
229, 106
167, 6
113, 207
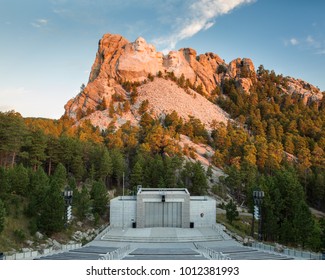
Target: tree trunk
13, 159
50, 167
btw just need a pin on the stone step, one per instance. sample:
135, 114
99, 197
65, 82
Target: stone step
161, 239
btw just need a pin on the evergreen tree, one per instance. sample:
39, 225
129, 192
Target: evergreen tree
127, 106
111, 109
292, 213
12, 133
52, 211
39, 184
158, 140
233, 181
38, 181
77, 167
199, 180
250, 154
50, 204
34, 148
262, 152
19, 179
173, 168
303, 224
66, 151
99, 198
82, 203
105, 166
136, 177
231, 211
52, 152
173, 120
2, 216
59, 177
209, 172
143, 107
194, 178
273, 205
4, 182
118, 165
322, 235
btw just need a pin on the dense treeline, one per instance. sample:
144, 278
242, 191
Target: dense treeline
281, 124
39, 158
280, 150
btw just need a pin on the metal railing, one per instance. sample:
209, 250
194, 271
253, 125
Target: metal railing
103, 232
210, 253
288, 252
116, 254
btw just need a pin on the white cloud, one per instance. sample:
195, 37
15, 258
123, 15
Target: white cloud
199, 15
208, 25
40, 23
294, 41
291, 42
310, 43
314, 43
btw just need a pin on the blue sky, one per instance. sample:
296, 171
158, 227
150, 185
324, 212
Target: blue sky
48, 46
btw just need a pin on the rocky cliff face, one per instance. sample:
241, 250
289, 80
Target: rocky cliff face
118, 60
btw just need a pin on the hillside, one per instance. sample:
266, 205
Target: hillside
164, 97
176, 120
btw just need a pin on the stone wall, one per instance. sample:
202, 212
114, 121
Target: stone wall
116, 211
202, 211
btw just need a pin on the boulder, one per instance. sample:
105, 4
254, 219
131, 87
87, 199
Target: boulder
56, 245
39, 235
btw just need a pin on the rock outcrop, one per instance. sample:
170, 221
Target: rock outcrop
304, 90
118, 60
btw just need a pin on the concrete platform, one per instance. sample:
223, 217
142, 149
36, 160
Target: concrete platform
161, 235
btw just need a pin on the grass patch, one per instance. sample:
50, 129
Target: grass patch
18, 229
241, 226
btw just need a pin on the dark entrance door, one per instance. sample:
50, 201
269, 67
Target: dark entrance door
163, 214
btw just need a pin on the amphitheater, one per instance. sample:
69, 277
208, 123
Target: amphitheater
166, 224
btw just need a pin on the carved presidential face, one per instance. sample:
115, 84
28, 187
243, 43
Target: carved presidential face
160, 57
151, 48
172, 59
140, 44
